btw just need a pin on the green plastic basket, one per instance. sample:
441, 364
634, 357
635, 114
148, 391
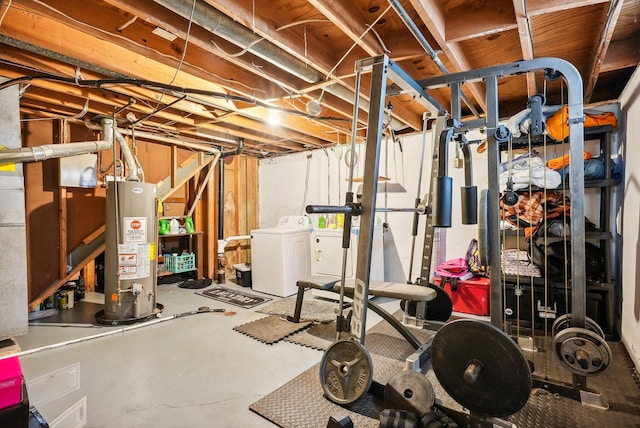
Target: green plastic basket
182, 263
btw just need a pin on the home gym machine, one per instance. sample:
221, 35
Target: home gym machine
477, 363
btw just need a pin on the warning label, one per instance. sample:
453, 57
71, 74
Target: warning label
133, 261
135, 229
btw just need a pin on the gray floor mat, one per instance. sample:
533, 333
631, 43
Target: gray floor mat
271, 329
320, 336
312, 309
300, 402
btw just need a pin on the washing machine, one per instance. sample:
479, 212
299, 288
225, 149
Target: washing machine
280, 256
327, 252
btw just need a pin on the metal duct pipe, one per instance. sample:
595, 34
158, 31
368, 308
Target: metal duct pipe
404, 16
109, 133
132, 166
51, 151
150, 136
220, 24
238, 150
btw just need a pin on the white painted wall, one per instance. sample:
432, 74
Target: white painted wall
282, 189
630, 103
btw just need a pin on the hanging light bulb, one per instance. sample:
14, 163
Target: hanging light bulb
273, 117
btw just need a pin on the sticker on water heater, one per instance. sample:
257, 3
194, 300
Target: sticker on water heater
127, 264
135, 229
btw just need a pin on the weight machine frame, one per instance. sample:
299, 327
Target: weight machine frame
383, 69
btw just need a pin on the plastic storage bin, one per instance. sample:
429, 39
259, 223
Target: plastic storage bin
182, 263
10, 382
243, 274
469, 296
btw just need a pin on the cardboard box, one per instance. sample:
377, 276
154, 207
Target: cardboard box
173, 209
469, 296
10, 382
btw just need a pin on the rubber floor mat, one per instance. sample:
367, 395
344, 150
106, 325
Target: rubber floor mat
300, 402
271, 329
233, 297
312, 309
320, 336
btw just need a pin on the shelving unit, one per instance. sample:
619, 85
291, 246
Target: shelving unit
603, 295
191, 242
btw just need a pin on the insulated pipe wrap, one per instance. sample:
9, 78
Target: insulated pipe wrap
51, 151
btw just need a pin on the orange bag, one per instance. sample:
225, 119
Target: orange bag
558, 128
562, 161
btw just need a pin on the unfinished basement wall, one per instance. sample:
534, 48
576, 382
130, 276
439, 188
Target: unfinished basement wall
283, 186
13, 258
59, 218
630, 103
240, 206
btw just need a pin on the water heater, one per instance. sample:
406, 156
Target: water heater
130, 253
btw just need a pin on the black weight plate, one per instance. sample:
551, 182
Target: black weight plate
438, 309
565, 321
503, 383
410, 391
583, 352
346, 371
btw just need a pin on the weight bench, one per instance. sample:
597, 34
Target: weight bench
376, 288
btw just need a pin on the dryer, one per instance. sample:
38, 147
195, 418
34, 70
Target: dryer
327, 252
280, 256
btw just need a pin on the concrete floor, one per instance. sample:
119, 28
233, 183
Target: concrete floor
184, 372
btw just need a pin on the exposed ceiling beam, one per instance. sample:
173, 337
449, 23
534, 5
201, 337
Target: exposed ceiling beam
220, 24
539, 7
68, 42
526, 41
489, 17
240, 79
321, 57
611, 14
72, 43
621, 54
345, 16
430, 13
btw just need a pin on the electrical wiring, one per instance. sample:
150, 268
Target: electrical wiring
5, 12
179, 67
355, 43
101, 83
131, 41
260, 39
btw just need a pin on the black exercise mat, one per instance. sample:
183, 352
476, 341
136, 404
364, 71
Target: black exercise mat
271, 329
320, 336
195, 283
234, 297
312, 309
300, 402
